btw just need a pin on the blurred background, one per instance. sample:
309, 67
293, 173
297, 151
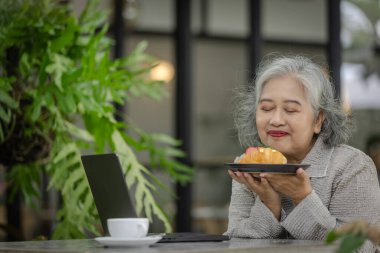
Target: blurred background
221, 43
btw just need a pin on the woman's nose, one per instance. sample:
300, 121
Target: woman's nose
277, 119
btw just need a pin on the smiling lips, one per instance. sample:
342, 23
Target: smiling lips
275, 133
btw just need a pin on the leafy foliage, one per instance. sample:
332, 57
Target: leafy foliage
353, 235
58, 86
349, 242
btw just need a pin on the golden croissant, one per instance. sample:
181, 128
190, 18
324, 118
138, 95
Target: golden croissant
263, 155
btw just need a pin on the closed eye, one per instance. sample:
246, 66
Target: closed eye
291, 110
266, 109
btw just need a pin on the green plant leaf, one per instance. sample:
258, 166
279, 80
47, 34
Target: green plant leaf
6, 83
91, 18
144, 189
165, 139
78, 132
25, 64
74, 176
350, 243
25, 178
8, 100
5, 116
35, 110
331, 236
66, 38
58, 66
42, 74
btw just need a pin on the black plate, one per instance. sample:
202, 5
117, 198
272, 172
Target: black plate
263, 167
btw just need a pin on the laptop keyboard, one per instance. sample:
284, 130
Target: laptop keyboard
192, 237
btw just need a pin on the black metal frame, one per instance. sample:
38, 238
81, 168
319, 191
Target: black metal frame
183, 108
119, 37
255, 41
334, 48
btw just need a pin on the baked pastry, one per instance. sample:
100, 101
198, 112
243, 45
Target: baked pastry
263, 155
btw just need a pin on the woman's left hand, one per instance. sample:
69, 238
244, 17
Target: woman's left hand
297, 187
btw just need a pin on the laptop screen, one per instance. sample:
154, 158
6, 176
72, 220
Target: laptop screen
110, 192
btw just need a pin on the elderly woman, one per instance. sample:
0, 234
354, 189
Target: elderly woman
292, 109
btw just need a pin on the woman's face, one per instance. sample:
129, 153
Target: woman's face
285, 118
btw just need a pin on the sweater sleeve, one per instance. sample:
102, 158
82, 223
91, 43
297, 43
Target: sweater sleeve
310, 219
355, 196
249, 217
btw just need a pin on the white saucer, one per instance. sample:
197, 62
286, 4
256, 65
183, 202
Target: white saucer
128, 242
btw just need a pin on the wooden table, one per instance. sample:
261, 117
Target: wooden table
234, 246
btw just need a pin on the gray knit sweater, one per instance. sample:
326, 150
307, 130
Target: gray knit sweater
345, 188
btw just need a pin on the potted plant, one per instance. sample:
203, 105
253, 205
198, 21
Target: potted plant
58, 86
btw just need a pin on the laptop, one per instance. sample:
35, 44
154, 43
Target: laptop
112, 199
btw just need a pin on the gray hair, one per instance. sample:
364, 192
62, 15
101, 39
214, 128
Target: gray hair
336, 127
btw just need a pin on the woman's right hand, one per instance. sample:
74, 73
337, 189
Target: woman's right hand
262, 188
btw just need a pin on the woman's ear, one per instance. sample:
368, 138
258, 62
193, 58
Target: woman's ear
318, 122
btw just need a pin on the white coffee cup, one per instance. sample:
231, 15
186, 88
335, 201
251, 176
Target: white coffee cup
128, 227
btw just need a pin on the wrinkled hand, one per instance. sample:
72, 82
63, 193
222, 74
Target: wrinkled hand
296, 187
262, 188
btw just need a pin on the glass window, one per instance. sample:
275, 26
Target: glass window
361, 72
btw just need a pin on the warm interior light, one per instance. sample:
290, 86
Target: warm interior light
164, 71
